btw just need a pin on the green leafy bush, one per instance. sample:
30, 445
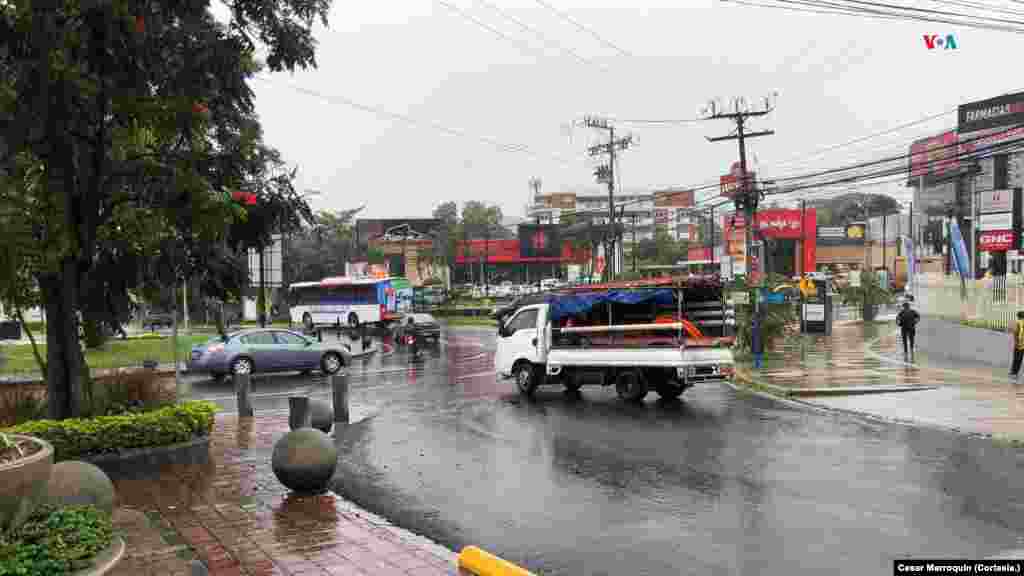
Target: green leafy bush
868, 296
776, 316
77, 437
55, 541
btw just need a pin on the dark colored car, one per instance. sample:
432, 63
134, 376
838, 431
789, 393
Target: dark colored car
156, 320
267, 350
425, 326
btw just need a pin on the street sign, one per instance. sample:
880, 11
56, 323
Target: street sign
740, 298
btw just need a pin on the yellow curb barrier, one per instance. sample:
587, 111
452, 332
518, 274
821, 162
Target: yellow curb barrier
481, 563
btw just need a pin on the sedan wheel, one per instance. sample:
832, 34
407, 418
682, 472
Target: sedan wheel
331, 363
241, 366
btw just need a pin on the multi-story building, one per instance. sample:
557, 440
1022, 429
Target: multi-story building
641, 214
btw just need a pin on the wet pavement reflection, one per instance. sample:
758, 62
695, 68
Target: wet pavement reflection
722, 482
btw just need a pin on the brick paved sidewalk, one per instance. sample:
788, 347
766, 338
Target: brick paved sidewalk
232, 514
968, 398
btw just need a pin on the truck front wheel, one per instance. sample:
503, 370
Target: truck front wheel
631, 386
526, 376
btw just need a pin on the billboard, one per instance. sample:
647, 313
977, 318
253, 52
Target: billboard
995, 112
563, 200
934, 157
996, 240
995, 201
539, 241
990, 122
368, 229
849, 235
673, 199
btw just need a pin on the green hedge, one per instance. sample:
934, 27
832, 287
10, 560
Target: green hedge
77, 437
55, 541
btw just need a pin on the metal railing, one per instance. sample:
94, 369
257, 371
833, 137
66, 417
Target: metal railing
989, 302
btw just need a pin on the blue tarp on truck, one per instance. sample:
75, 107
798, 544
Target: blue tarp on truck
562, 305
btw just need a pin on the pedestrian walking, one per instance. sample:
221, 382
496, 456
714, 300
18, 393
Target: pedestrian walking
907, 320
1018, 344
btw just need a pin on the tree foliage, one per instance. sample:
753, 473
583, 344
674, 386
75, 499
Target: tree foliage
125, 125
321, 250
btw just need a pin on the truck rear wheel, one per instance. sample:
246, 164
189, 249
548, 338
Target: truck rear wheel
631, 386
669, 391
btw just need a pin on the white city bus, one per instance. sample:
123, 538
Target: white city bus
342, 300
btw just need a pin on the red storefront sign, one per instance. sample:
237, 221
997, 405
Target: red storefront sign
996, 240
779, 224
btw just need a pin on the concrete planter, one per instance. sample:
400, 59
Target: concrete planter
105, 561
23, 483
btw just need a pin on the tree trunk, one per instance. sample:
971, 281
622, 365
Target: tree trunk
65, 365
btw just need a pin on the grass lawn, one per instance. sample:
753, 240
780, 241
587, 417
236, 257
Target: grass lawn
469, 321
116, 353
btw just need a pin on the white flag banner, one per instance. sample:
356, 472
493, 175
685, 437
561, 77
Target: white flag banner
908, 249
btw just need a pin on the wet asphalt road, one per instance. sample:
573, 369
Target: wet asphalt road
720, 483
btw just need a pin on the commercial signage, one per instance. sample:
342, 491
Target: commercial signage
996, 240
564, 200
661, 217
729, 184
779, 223
539, 241
1003, 110
1002, 221
995, 201
673, 199
814, 312
934, 157
849, 235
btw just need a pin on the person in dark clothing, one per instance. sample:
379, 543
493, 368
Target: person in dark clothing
907, 320
1018, 344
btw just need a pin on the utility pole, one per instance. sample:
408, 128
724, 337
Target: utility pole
747, 196
606, 173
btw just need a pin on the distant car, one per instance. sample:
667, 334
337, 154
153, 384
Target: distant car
426, 327
264, 350
156, 320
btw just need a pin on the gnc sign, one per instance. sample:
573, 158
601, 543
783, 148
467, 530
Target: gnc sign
995, 240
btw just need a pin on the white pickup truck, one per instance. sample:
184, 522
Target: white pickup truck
529, 352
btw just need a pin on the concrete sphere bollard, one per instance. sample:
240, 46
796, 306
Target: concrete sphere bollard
304, 460
74, 483
321, 415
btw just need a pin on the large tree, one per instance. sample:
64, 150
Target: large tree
322, 249
127, 123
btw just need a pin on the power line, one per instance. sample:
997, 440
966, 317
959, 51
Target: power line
903, 12
834, 8
339, 99
481, 24
860, 139
583, 28
543, 37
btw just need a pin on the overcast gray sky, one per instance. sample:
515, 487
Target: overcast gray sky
837, 78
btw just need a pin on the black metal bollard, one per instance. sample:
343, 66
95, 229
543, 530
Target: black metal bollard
243, 395
339, 384
299, 415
